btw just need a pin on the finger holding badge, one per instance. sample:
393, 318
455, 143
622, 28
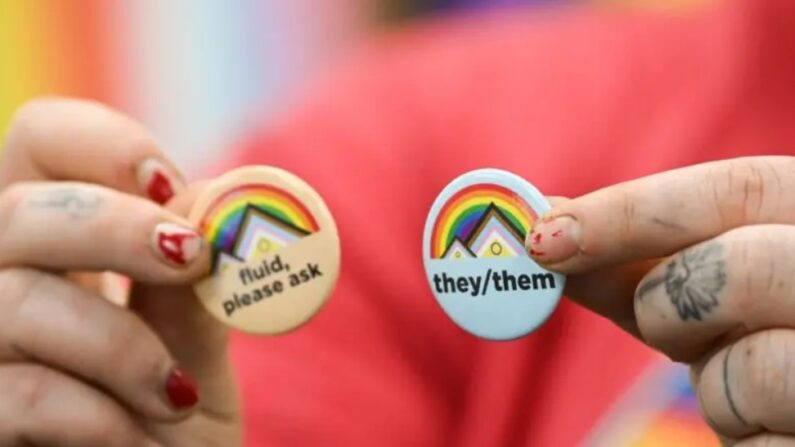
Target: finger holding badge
475, 259
276, 252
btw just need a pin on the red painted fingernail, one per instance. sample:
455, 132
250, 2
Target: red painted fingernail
156, 181
555, 240
181, 389
175, 243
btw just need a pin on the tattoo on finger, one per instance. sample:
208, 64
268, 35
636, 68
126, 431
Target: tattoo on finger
727, 389
648, 285
692, 280
76, 202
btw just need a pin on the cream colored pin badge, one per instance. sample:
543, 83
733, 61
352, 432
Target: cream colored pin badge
276, 252
475, 258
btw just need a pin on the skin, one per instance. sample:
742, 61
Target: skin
67, 339
696, 262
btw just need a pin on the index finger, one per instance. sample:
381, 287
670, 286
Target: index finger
661, 214
68, 139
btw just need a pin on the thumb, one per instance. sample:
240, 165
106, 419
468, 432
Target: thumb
196, 339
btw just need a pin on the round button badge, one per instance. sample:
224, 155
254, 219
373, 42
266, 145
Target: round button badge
276, 252
475, 258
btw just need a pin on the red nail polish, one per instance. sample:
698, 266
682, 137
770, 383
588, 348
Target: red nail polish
181, 389
562, 239
176, 243
159, 188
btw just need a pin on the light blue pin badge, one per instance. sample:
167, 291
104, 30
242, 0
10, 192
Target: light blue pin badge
475, 259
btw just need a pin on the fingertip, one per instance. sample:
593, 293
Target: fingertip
157, 181
182, 249
554, 240
181, 390
172, 397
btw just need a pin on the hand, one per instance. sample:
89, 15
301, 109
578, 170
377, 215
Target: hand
75, 368
723, 296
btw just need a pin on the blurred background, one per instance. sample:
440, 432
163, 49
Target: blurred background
198, 72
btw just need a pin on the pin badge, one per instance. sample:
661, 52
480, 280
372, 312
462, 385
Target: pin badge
276, 252
475, 258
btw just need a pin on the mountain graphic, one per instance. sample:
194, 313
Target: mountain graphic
457, 250
260, 233
494, 235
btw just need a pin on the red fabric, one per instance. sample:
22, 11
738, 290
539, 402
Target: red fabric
572, 100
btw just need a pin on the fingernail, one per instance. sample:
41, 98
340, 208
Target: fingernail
176, 244
151, 443
555, 240
156, 180
181, 389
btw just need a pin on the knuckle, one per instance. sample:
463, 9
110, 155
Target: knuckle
32, 385
767, 368
10, 199
742, 190
27, 122
17, 285
16, 281
122, 342
133, 350
749, 187
26, 113
624, 201
759, 263
742, 251
30, 388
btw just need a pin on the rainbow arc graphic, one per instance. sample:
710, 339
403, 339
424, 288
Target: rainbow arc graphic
254, 220
482, 221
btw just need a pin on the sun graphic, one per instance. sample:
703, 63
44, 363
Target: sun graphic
264, 246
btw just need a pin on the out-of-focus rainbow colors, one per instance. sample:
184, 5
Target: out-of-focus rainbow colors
660, 410
52, 47
194, 71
